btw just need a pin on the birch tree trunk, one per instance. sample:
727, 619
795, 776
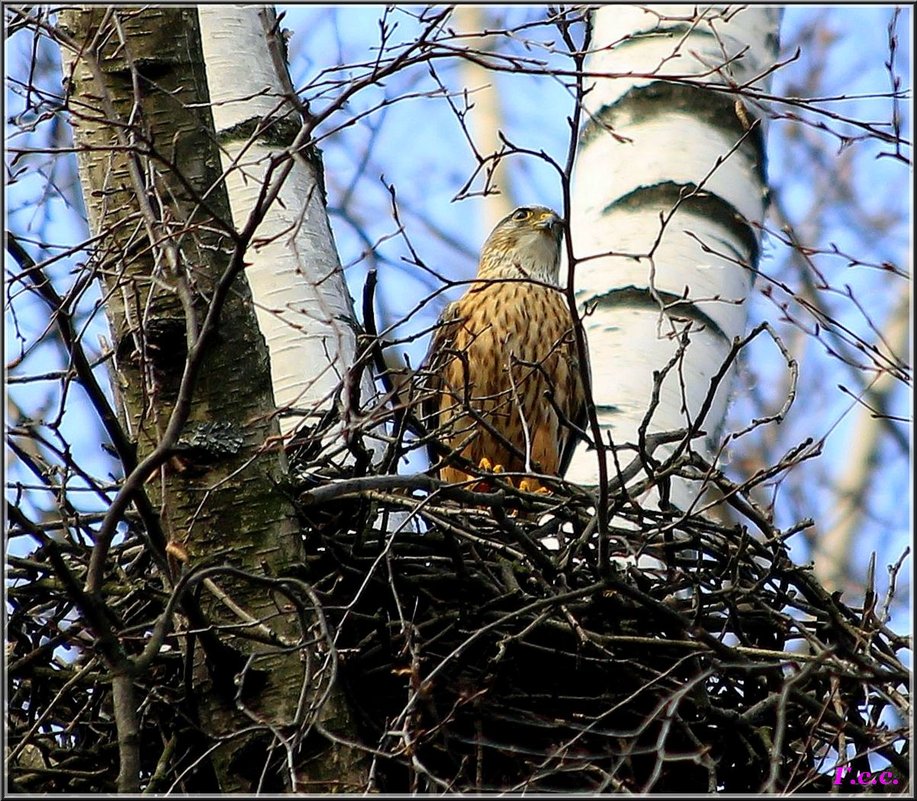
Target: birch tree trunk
668, 195
195, 386
303, 306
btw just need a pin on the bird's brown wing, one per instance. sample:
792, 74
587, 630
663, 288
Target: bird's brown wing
577, 406
430, 383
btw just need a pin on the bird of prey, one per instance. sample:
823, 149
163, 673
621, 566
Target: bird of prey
501, 384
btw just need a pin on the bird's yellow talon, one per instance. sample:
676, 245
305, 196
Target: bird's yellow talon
489, 466
525, 485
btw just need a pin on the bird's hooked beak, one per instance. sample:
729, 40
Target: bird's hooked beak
551, 222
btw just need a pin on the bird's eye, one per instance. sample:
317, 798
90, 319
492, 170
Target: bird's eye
521, 214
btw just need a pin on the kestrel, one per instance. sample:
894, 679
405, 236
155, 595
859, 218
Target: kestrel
502, 383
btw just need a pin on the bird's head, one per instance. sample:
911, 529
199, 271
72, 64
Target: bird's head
525, 244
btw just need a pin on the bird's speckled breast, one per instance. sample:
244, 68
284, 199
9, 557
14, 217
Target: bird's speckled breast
516, 344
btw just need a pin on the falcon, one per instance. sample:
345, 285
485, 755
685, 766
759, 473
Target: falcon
502, 385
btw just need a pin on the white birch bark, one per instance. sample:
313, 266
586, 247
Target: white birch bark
649, 139
304, 309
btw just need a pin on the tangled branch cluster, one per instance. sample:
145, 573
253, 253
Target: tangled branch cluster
702, 659
484, 645
483, 638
